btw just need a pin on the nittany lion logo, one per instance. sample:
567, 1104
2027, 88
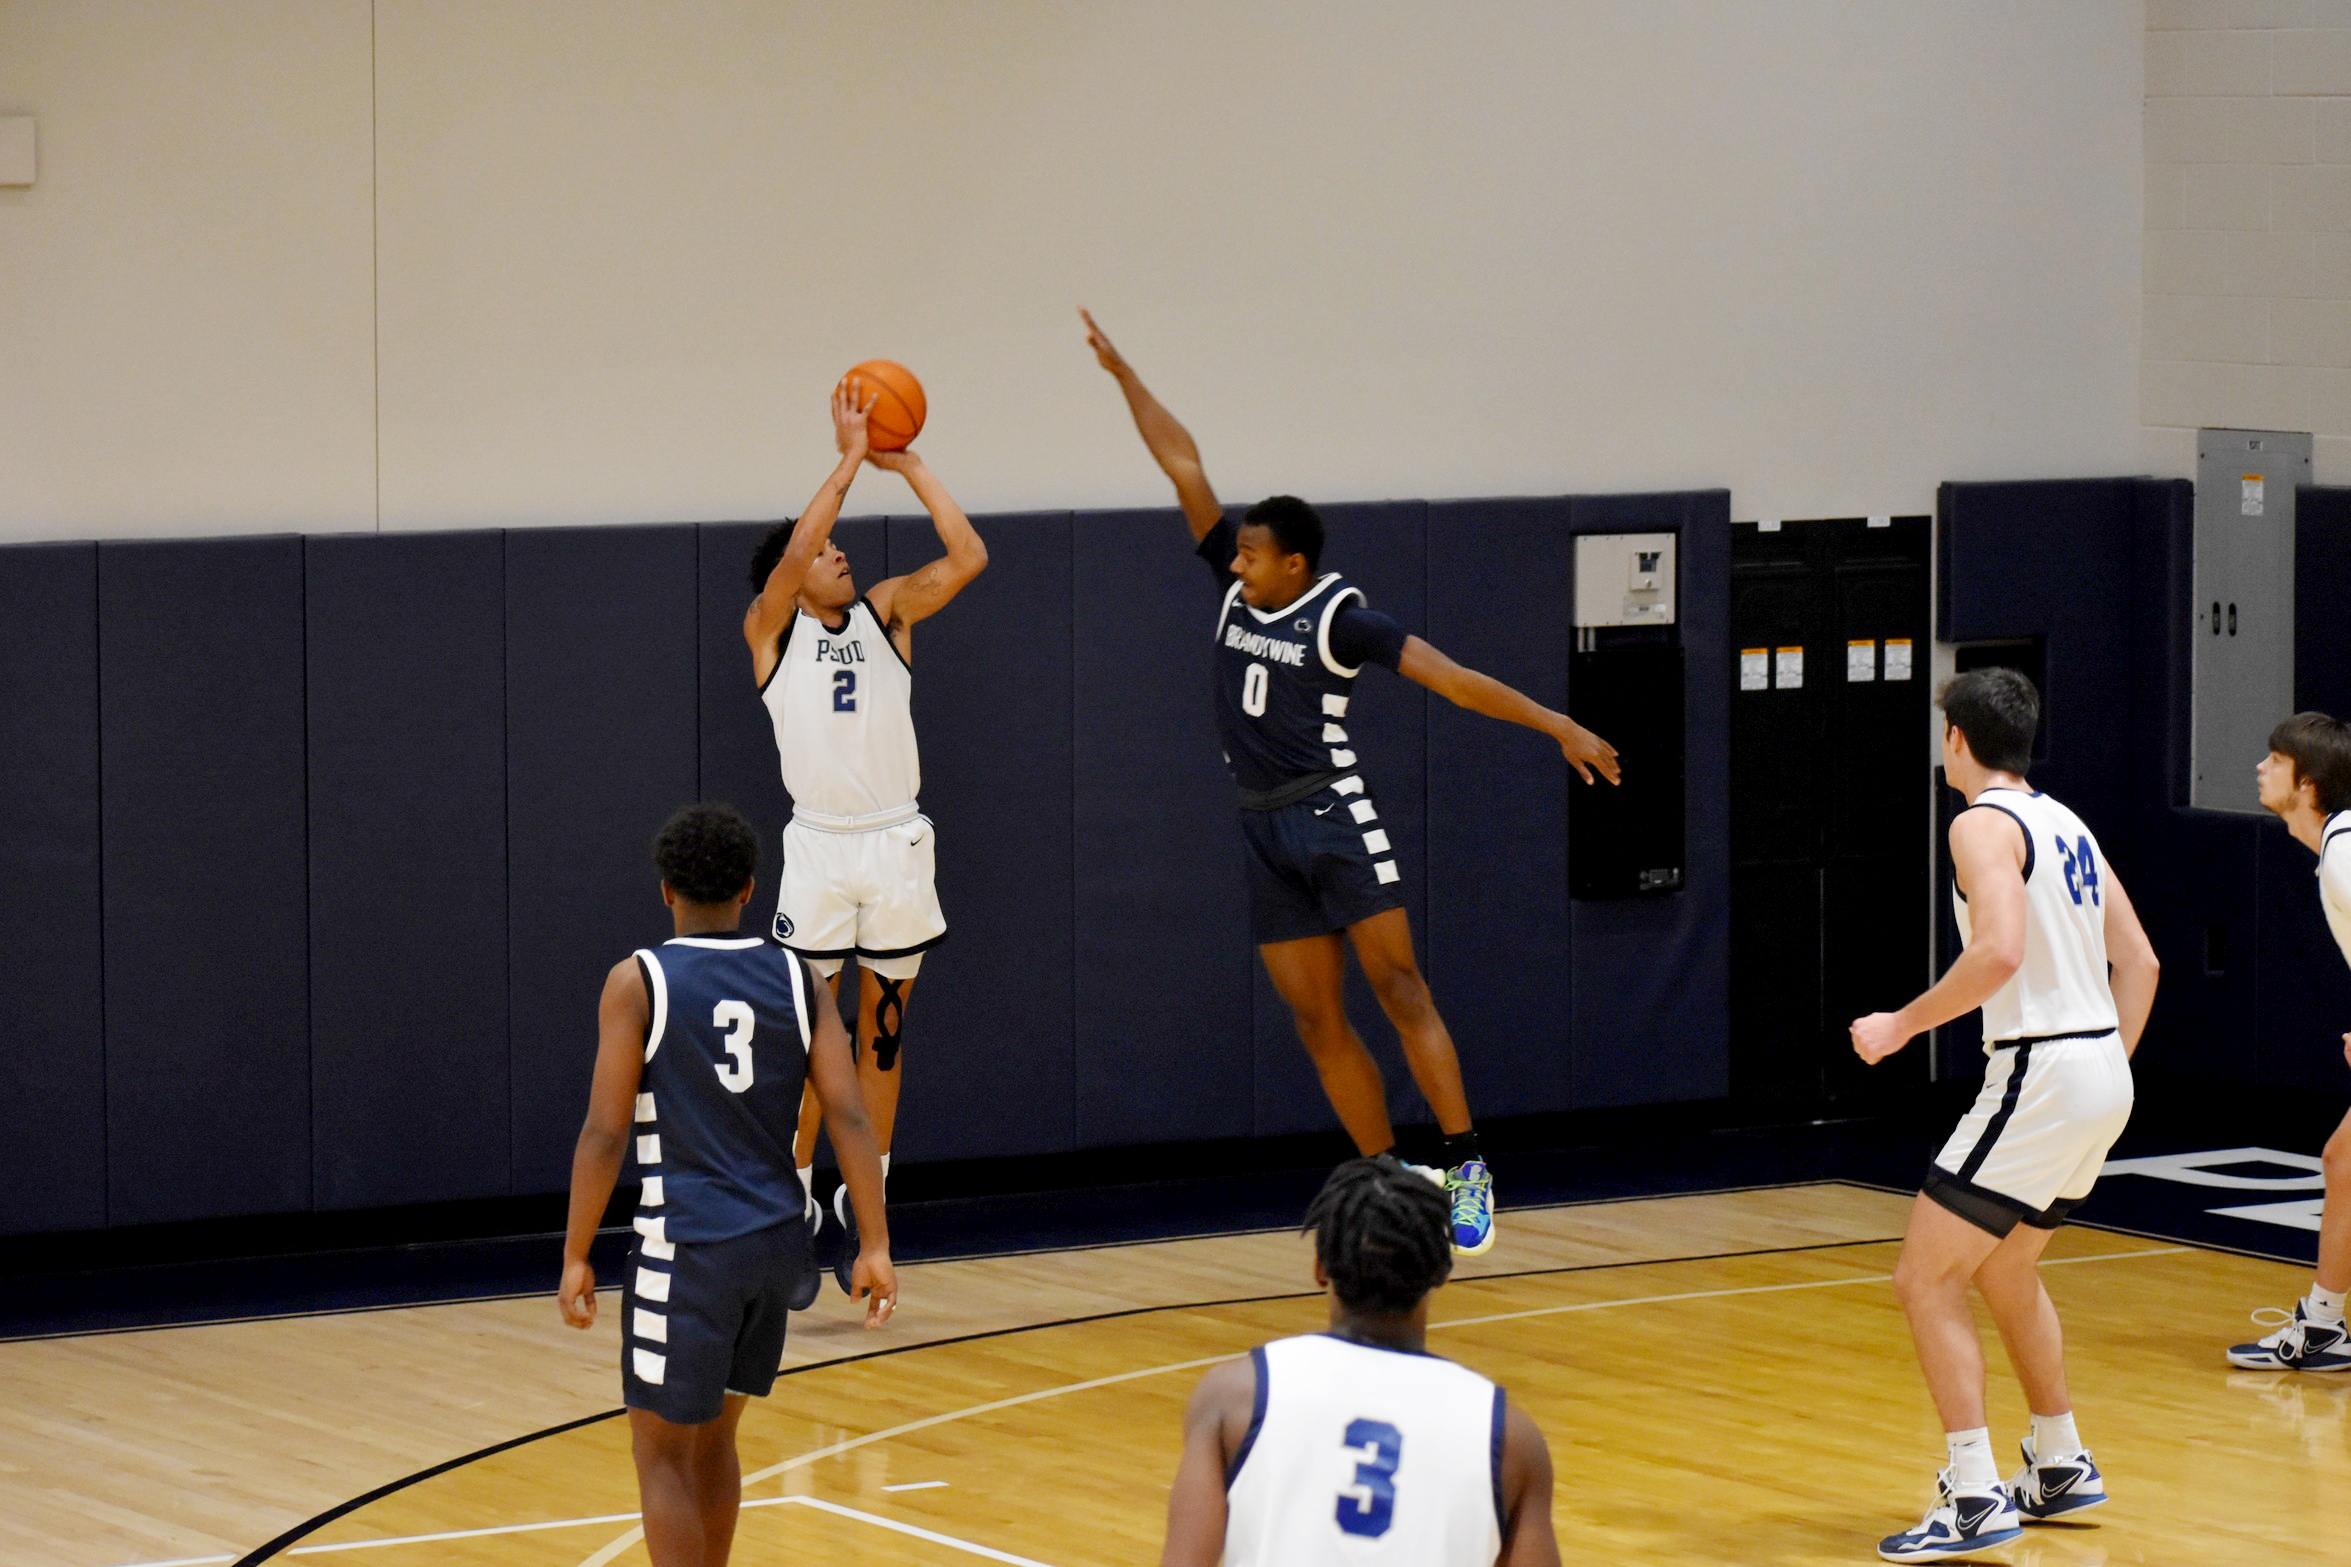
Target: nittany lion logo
783, 927
1304, 624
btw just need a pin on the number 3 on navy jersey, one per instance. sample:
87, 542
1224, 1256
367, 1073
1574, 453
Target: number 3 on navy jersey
736, 1019
1368, 1507
2081, 870
1253, 684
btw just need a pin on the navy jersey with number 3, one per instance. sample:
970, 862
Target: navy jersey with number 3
726, 1054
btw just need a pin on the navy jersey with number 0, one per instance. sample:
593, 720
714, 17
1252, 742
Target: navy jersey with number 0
726, 1053
1283, 676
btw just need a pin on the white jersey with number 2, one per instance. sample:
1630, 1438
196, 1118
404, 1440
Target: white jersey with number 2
1365, 1457
2062, 990
842, 705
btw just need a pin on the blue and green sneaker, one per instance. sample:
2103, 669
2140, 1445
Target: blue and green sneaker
1470, 1189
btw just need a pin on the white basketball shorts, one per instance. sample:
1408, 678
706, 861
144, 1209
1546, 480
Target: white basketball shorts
870, 893
2034, 1142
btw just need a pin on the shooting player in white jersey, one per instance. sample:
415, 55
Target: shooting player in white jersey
1289, 645
2306, 780
1356, 1447
2043, 918
705, 1044
835, 671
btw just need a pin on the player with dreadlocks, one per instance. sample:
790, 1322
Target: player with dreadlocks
1357, 1446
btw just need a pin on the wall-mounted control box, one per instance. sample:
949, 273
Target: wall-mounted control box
1624, 579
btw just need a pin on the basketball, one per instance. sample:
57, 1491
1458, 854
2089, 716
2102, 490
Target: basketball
897, 413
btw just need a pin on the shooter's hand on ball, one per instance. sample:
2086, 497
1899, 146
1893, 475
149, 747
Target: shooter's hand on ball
1878, 1036
903, 460
577, 1298
850, 402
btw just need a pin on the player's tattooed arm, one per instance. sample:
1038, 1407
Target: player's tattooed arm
1171, 445
1987, 860
1215, 1423
2134, 968
621, 1020
1585, 751
1527, 1536
772, 610
833, 1073
901, 601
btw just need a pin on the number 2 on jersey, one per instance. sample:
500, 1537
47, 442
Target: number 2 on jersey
1368, 1507
1253, 685
736, 1019
2081, 871
844, 690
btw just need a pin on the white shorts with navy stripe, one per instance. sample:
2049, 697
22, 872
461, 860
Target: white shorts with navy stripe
870, 893
2033, 1143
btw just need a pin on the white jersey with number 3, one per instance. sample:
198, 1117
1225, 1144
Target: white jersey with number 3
842, 705
1363, 1457
2061, 990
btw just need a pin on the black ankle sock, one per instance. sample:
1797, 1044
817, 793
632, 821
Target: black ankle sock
1458, 1149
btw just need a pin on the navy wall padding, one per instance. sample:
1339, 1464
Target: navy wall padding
2322, 599
991, 1045
601, 746
52, 1002
407, 757
2304, 984
1499, 935
1381, 547
1652, 1011
1163, 958
206, 925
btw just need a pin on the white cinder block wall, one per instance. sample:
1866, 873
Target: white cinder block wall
331, 264
2248, 308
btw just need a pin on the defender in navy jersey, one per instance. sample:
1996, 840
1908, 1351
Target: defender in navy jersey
1290, 640
2306, 780
705, 1044
1356, 1447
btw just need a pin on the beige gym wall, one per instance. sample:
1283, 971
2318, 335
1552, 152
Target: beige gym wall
599, 262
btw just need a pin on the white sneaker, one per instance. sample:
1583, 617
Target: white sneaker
2058, 1487
2299, 1344
1961, 1523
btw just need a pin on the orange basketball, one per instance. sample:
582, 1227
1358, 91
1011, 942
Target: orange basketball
896, 416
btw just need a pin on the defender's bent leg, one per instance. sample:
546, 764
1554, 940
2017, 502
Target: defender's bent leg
1383, 945
1940, 1253
2334, 1222
881, 1018
2010, 1282
1311, 976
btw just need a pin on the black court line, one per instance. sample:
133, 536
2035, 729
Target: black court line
310, 1526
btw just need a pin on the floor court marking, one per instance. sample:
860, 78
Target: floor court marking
852, 1443
918, 1485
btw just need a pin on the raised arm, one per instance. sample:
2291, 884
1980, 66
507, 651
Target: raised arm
1586, 752
1170, 443
1987, 857
2132, 957
622, 1017
1214, 1424
769, 613
1527, 1537
901, 601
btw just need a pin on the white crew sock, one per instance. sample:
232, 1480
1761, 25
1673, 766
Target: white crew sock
2323, 1305
808, 1188
886, 1176
2054, 1437
1972, 1466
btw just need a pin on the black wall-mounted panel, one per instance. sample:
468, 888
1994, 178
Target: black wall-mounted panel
2322, 600
1500, 600
407, 756
206, 924
601, 746
1381, 547
1163, 956
52, 1001
991, 1051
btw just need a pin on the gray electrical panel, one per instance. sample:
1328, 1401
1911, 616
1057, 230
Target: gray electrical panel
2242, 617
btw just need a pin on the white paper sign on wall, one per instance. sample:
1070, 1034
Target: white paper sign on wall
1861, 661
2252, 495
1754, 668
1897, 658
1787, 668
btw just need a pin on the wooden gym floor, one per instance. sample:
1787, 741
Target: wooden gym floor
1723, 1378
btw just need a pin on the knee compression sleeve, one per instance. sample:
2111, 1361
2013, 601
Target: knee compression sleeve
889, 1019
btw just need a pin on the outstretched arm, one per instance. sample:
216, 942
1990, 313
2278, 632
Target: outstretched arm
1527, 1536
1171, 444
772, 610
1987, 857
1586, 752
901, 601
622, 1017
1214, 1423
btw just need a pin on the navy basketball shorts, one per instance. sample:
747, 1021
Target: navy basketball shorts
706, 1319
1318, 866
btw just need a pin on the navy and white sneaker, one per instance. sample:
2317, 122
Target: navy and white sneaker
2060, 1486
1961, 1523
845, 1259
1469, 1188
2299, 1344
811, 1280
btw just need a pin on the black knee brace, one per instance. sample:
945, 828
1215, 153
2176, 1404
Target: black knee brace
889, 1017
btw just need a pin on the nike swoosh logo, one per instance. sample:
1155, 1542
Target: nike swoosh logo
1326, 810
